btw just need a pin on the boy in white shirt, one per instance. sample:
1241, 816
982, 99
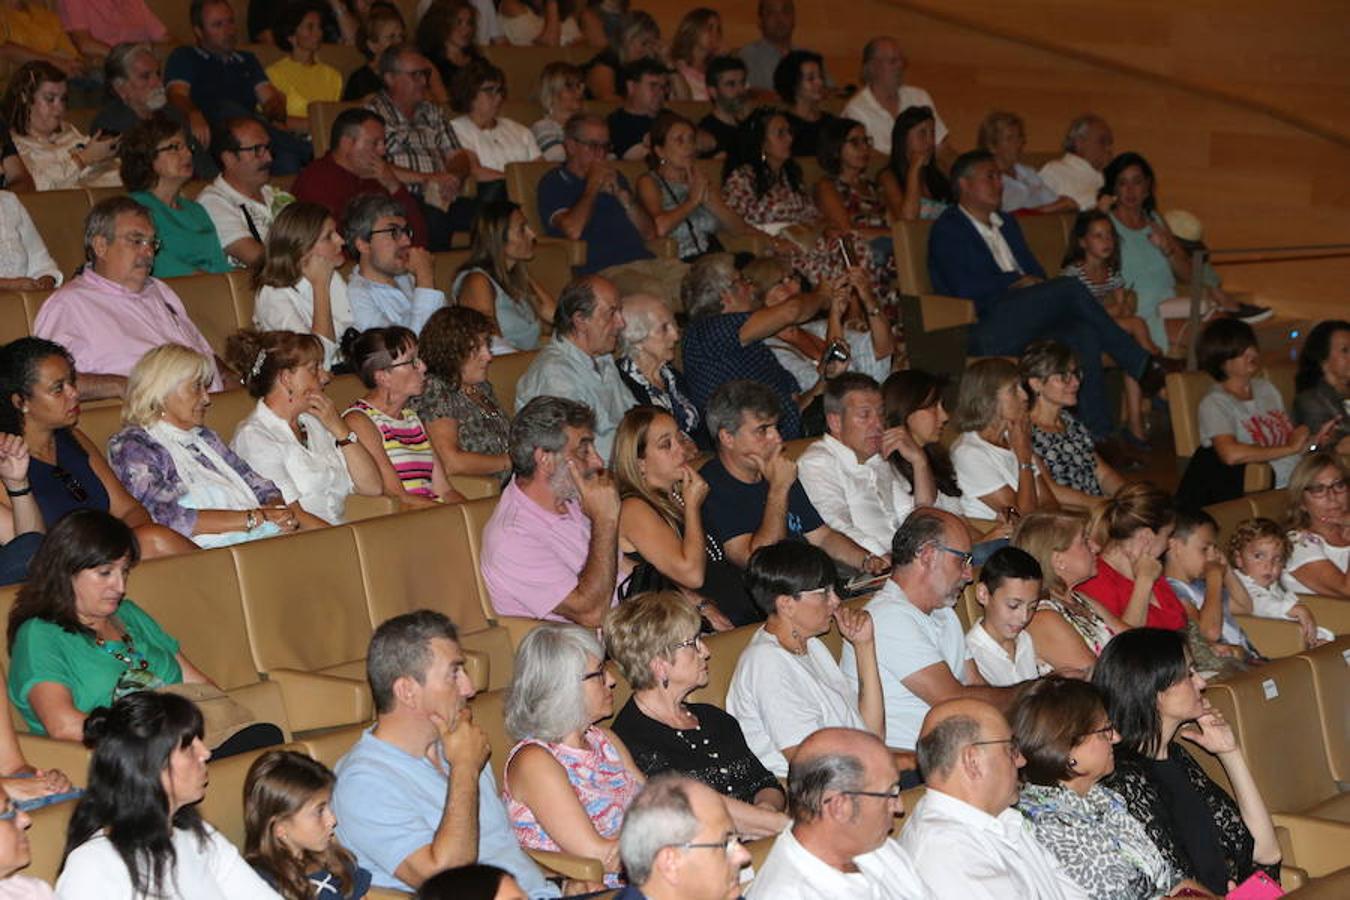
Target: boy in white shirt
1257, 550
1008, 589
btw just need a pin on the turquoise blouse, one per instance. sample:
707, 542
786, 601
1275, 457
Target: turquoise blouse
189, 243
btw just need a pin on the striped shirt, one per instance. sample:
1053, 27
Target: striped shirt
407, 445
1102, 290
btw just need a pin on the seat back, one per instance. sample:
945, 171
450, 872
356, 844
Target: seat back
489, 714
344, 390
1184, 392
724, 650
522, 66
911, 257
223, 805
503, 374
209, 302
243, 295
32, 302
1270, 504
1281, 375
13, 317
476, 514
445, 264
321, 116
968, 608
1330, 666
59, 218
1228, 514
794, 449
1047, 237
227, 410
522, 186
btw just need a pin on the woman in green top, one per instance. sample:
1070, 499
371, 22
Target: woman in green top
156, 163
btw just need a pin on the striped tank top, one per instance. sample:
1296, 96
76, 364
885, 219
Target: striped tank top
407, 445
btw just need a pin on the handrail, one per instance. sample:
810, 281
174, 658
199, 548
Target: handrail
1290, 248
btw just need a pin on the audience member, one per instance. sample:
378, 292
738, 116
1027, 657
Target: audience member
136, 92
1000, 474
754, 496
1199, 572
777, 21
110, 314
664, 732
561, 89
530, 23
964, 836
646, 356
13, 173
295, 436
1078, 475
182, 471
65, 471
15, 853
382, 27
1323, 381
414, 796
469, 430
913, 183
495, 279
288, 829
974, 252
356, 164
661, 531
1257, 549
799, 80
920, 643
25, 262
550, 548
21, 524
844, 796
240, 202
475, 881
301, 75
388, 364
999, 644
446, 37
578, 362
98, 26
637, 36
1068, 744
1088, 147
1004, 135
560, 688
787, 685
912, 400
394, 282
54, 152
671, 817
697, 40
337, 20
137, 831
495, 142
727, 91
1152, 689
885, 95
1319, 526
299, 286
644, 86
212, 81
850, 199
156, 165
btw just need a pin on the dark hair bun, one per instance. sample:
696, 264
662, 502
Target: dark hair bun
96, 725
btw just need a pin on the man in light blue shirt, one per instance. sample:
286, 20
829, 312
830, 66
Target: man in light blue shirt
394, 282
578, 364
414, 796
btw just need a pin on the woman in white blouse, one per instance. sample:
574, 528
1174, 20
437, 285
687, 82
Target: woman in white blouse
295, 436
25, 264
1319, 523
477, 92
299, 286
58, 155
999, 474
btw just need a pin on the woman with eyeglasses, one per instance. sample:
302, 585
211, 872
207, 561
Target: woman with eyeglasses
787, 684
655, 639
1154, 696
1078, 474
476, 94
156, 164
561, 91
388, 364
849, 197
1063, 733
15, 853
568, 780
1319, 526
66, 470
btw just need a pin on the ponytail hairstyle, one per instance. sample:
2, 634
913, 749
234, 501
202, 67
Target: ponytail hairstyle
261, 356
1135, 506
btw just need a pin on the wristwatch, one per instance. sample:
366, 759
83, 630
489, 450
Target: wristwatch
349, 439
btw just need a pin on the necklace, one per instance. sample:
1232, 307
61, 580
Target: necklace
472, 392
131, 659
699, 744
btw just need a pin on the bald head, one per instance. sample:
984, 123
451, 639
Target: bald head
930, 553
966, 750
883, 64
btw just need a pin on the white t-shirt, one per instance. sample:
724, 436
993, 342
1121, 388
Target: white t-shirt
781, 698
1073, 176
1260, 422
907, 640
1310, 547
292, 309
315, 472
792, 872
982, 468
226, 207
507, 142
993, 661
213, 871
865, 108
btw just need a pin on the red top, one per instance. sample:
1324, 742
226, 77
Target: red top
1112, 590
328, 184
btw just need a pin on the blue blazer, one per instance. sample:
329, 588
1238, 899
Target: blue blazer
961, 265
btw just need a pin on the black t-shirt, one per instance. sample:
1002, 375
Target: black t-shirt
734, 508
722, 133
1194, 823
361, 84
627, 129
806, 135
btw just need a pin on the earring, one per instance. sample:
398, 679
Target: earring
1073, 763
665, 681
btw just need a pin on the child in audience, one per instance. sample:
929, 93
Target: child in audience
289, 825
1257, 550
1009, 588
1200, 576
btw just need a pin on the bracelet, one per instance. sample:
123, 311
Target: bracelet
21, 492
251, 520
1031, 466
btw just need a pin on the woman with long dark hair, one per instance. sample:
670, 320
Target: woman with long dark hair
495, 279
913, 183
1323, 381
799, 80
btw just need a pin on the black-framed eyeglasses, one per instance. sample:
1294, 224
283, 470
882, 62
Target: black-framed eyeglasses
410, 361
171, 147
695, 641
1013, 747
967, 558
71, 483
395, 231
727, 846
420, 74
1074, 374
1319, 490
598, 673
1105, 731
255, 149
893, 793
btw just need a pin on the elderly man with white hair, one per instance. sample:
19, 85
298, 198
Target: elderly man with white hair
885, 95
645, 358
1088, 147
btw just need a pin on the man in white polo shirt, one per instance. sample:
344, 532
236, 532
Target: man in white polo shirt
885, 95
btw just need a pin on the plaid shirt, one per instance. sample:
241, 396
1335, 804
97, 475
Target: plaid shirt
420, 143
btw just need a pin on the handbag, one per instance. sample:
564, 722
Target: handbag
222, 717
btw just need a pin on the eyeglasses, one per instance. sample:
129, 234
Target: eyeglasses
395, 231
1320, 490
967, 558
140, 241
71, 483
1071, 375
410, 361
727, 846
419, 74
171, 147
695, 641
1013, 748
892, 793
594, 145
492, 90
255, 149
598, 673
1105, 731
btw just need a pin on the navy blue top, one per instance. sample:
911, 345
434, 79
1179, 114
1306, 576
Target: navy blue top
734, 508
611, 237
713, 355
217, 81
962, 265
56, 496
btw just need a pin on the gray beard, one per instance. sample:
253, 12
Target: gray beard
156, 99
560, 482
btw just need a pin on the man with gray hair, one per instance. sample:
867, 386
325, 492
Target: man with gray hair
550, 550
578, 363
113, 312
394, 282
1088, 147
921, 646
964, 836
670, 842
844, 797
414, 794
885, 95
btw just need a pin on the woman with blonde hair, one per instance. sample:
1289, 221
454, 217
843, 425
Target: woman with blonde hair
57, 154
495, 279
562, 87
698, 38
1000, 475
180, 470
1004, 135
1319, 526
299, 286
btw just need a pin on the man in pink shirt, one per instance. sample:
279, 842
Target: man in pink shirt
550, 550
113, 311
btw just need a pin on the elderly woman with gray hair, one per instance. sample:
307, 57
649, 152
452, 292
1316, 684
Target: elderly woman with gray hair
567, 781
645, 360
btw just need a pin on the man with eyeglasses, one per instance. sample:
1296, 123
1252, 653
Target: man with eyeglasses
921, 646
113, 312
678, 843
885, 95
844, 798
394, 283
964, 836
239, 201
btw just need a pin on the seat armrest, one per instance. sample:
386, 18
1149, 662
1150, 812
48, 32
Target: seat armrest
664, 248
478, 666
1292, 878
264, 699
1330, 612
517, 627
1257, 477
576, 250
71, 757
578, 868
938, 312
360, 507
1273, 637
381, 893
476, 487
322, 701
1318, 844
